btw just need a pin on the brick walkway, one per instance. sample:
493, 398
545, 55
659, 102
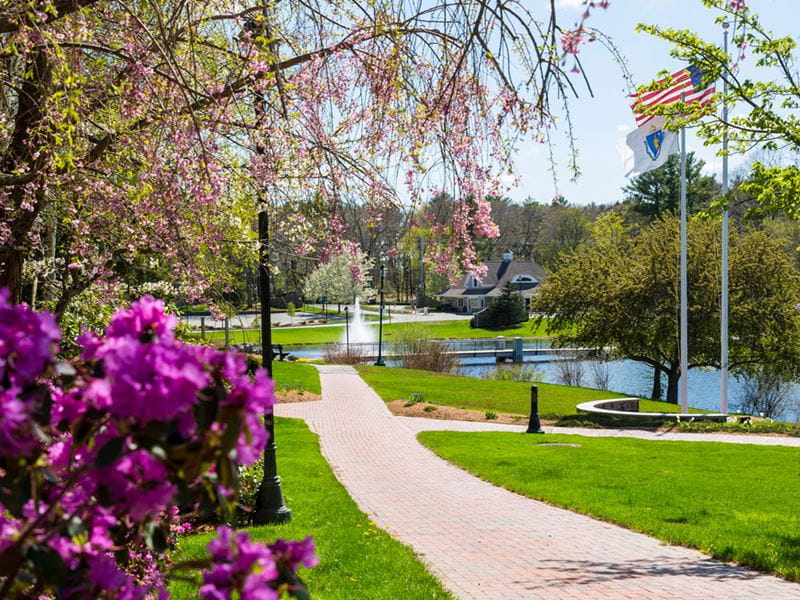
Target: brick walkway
485, 542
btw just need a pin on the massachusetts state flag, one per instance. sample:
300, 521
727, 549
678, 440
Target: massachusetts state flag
686, 82
648, 147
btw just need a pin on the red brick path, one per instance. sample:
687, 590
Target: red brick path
485, 542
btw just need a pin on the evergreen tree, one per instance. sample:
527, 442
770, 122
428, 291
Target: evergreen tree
657, 192
508, 309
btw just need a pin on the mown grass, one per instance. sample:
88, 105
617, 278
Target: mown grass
334, 333
736, 502
488, 395
296, 376
357, 559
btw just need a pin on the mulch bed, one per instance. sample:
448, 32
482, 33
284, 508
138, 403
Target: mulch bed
293, 396
398, 407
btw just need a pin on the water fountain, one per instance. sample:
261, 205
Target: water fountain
360, 332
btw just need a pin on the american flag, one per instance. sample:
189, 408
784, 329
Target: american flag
686, 82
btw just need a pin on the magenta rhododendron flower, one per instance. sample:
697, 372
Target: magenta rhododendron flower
98, 466
27, 343
145, 317
250, 570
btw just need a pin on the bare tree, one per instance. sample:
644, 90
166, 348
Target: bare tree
767, 393
570, 372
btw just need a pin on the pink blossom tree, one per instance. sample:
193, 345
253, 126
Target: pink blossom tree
148, 129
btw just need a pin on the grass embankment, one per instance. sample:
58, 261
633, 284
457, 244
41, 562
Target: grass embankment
487, 395
296, 376
451, 329
736, 502
357, 559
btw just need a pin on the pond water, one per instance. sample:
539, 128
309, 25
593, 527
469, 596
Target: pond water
628, 377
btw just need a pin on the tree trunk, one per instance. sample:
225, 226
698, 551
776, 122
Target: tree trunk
673, 377
11, 272
20, 155
656, 393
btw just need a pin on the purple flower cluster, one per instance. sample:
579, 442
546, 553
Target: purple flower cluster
27, 343
249, 569
98, 464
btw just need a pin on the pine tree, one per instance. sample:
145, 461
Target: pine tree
508, 309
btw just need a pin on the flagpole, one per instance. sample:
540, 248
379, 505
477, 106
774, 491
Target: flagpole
684, 342
723, 359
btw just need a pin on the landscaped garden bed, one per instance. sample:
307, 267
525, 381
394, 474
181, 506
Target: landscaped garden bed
296, 381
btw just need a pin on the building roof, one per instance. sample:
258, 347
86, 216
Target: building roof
498, 273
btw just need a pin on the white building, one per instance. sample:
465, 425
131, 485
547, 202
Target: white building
470, 295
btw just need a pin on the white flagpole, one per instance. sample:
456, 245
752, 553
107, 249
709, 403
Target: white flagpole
723, 359
684, 342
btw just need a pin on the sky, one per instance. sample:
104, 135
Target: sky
600, 122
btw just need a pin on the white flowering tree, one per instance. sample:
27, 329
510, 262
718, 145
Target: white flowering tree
342, 279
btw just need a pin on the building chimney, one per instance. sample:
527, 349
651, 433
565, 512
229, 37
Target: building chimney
508, 256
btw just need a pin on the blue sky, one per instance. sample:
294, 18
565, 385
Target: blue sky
601, 121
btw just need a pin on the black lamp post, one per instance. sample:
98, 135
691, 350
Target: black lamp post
347, 329
379, 362
269, 506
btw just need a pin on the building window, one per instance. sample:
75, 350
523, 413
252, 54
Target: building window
523, 279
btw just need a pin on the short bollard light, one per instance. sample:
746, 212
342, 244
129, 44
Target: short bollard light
534, 426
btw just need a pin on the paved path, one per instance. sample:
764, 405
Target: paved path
485, 542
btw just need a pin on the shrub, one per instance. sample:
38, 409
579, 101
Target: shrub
340, 354
569, 372
104, 460
518, 372
429, 408
601, 374
417, 350
767, 393
415, 398
490, 414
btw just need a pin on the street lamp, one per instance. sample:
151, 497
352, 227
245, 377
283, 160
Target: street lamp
347, 329
269, 506
379, 362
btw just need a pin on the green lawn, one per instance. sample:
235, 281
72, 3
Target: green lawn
487, 395
357, 560
288, 335
296, 376
327, 334
461, 329
736, 502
